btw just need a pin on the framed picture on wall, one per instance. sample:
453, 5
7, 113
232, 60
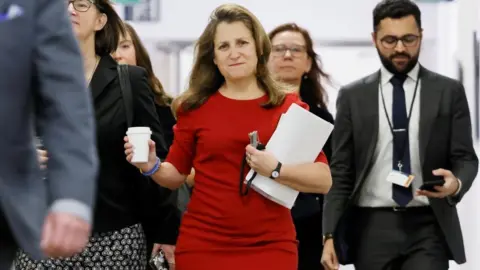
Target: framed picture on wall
142, 11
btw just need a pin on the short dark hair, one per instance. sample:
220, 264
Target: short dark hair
395, 9
106, 40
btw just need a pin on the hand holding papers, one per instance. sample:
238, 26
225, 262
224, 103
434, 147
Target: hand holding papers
298, 138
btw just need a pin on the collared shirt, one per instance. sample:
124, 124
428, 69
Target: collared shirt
377, 191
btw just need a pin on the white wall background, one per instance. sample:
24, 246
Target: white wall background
326, 19
448, 38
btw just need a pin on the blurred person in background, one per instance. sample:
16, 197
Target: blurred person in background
401, 124
125, 198
224, 228
131, 51
294, 61
42, 83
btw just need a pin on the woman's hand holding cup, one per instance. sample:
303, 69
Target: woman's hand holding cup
140, 149
152, 155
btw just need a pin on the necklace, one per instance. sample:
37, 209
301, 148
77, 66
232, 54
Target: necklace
89, 78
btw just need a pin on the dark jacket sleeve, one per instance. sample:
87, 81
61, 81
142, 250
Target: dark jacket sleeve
462, 154
68, 127
145, 113
327, 116
341, 166
168, 121
160, 216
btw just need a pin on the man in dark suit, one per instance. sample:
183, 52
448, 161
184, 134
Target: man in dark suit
42, 79
401, 122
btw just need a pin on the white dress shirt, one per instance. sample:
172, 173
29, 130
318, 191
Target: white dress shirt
377, 191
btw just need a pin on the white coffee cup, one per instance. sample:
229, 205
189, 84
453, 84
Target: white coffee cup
139, 137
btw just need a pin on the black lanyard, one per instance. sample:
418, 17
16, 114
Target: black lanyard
399, 153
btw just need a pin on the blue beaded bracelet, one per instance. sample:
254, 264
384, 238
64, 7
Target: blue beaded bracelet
153, 170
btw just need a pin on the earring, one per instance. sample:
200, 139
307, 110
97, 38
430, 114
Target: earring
305, 76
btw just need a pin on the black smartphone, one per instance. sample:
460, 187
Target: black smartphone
430, 185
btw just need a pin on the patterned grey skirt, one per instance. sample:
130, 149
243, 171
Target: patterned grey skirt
119, 250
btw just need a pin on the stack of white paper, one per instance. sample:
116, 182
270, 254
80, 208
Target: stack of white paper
298, 138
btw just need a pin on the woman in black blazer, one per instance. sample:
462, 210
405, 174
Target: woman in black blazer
294, 61
131, 51
126, 199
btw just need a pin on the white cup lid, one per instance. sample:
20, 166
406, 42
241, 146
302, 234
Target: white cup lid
139, 130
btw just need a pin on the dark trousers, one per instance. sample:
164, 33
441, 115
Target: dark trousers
8, 246
310, 246
408, 239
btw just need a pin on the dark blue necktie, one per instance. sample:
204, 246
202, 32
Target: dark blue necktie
401, 149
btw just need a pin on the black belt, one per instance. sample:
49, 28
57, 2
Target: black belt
396, 209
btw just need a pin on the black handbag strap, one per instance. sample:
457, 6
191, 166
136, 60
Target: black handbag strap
126, 88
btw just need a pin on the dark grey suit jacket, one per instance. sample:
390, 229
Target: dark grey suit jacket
445, 141
41, 65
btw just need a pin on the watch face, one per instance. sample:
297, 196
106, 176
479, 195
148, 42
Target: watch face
274, 174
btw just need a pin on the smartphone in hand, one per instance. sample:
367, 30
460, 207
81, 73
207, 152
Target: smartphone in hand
430, 185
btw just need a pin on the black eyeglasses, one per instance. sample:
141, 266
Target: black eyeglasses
391, 42
281, 50
81, 5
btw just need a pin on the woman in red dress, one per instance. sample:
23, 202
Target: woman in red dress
230, 95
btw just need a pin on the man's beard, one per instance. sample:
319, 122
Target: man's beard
387, 62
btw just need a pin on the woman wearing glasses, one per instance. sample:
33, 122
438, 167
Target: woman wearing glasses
118, 240
294, 61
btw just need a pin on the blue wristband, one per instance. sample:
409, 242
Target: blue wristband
154, 169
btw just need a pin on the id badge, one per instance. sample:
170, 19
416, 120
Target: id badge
399, 178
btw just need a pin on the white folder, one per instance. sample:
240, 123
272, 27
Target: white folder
299, 138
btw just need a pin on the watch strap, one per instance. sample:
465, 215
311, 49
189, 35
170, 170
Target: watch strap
327, 236
276, 170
